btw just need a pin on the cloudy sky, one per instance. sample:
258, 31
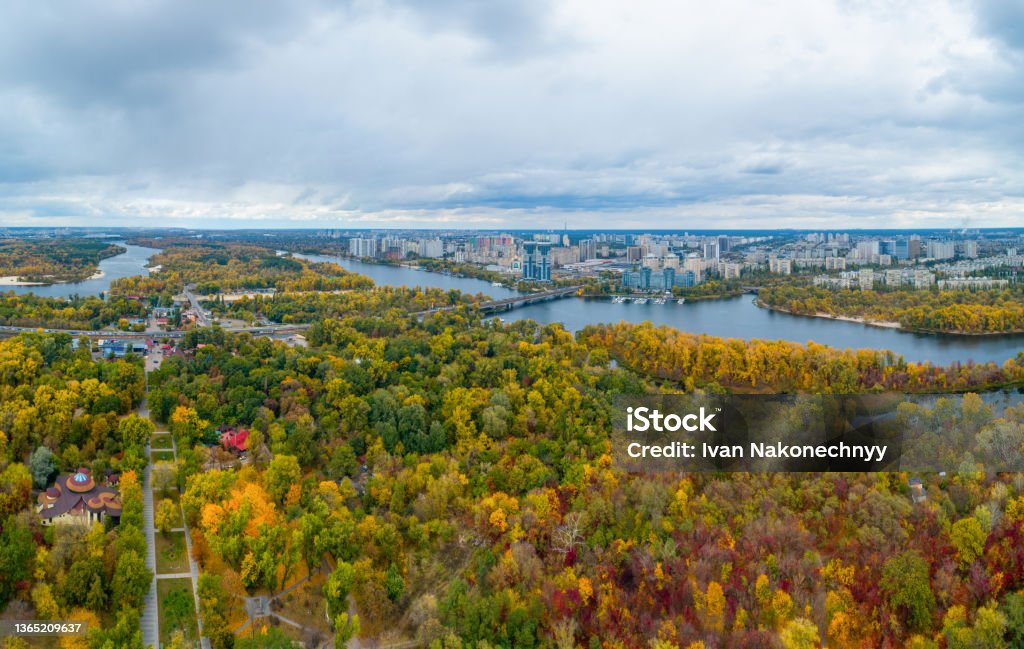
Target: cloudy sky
512, 113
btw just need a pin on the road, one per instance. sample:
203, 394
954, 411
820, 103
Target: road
509, 303
202, 315
176, 333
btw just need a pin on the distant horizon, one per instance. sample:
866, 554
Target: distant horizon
139, 228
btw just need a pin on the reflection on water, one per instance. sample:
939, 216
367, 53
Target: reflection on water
729, 318
132, 262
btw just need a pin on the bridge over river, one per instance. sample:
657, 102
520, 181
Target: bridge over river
509, 303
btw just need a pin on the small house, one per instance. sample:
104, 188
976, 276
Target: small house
917, 491
236, 441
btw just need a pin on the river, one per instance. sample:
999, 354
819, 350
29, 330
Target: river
729, 318
131, 262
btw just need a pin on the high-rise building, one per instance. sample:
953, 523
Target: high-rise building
730, 270
588, 249
971, 249
940, 249
914, 246
696, 266
723, 244
710, 250
432, 248
865, 249
362, 247
866, 279
646, 279
901, 249
780, 266
537, 261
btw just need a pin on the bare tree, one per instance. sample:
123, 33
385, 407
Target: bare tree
567, 535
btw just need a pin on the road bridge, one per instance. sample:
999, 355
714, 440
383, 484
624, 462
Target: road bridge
509, 303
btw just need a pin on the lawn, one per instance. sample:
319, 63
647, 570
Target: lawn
162, 456
160, 440
177, 609
171, 555
305, 604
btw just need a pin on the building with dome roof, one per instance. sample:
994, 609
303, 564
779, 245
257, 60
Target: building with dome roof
76, 498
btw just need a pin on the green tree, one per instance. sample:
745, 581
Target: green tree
1013, 610
131, 580
339, 585
135, 431
16, 551
800, 633
42, 465
345, 628
905, 582
281, 474
394, 584
968, 537
167, 516
187, 426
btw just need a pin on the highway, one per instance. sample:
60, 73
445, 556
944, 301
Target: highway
203, 318
177, 333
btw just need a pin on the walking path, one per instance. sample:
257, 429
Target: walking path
150, 615
193, 573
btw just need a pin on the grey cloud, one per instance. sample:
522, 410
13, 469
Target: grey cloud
509, 28
126, 51
1004, 20
399, 111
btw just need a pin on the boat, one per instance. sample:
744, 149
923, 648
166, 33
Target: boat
659, 300
496, 284
682, 300
640, 300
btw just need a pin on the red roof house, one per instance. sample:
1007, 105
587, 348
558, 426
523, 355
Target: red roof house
235, 440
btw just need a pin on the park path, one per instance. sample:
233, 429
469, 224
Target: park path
193, 573
150, 621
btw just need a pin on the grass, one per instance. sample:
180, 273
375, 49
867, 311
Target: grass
162, 456
160, 440
171, 495
171, 554
305, 604
177, 610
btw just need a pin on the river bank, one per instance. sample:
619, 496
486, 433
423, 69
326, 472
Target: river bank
131, 261
885, 324
15, 280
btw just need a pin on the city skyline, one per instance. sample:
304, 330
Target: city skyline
517, 115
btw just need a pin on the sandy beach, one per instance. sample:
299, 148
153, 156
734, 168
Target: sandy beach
12, 280
860, 320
